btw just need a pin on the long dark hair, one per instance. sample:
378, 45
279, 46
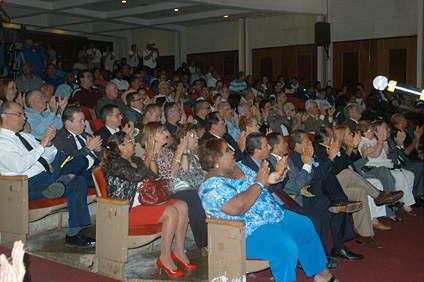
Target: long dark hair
112, 150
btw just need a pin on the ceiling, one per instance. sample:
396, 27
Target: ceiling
107, 17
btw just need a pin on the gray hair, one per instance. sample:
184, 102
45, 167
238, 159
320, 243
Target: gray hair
222, 104
349, 109
5, 108
245, 92
29, 96
164, 82
309, 104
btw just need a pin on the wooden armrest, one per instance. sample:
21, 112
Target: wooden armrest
115, 201
230, 222
16, 177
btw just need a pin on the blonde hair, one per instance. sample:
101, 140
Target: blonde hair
151, 129
246, 121
340, 132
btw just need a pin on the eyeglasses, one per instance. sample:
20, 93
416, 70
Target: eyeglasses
19, 115
136, 100
117, 115
125, 142
193, 135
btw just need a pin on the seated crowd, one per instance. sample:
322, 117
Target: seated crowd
238, 150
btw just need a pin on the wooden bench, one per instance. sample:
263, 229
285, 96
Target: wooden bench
17, 212
227, 251
114, 236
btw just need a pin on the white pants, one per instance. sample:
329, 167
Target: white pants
404, 180
376, 211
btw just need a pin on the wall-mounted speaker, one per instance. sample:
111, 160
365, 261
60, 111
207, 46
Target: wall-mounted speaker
322, 34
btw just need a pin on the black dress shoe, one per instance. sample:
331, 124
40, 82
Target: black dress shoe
346, 254
333, 263
80, 240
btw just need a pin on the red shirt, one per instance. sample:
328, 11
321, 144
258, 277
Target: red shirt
87, 97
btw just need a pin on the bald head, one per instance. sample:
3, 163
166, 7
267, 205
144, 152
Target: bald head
111, 90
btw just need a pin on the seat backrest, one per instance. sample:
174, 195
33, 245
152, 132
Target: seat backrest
99, 181
96, 124
87, 113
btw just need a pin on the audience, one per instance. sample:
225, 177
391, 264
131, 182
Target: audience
245, 120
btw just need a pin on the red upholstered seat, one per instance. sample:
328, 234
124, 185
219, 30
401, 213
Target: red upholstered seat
148, 229
298, 103
311, 136
96, 124
134, 230
87, 113
46, 203
188, 110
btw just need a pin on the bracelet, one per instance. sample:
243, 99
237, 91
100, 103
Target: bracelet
152, 160
176, 161
184, 154
355, 148
260, 185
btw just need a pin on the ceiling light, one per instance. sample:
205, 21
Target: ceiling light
176, 10
124, 1
226, 16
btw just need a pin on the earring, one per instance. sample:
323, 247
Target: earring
217, 166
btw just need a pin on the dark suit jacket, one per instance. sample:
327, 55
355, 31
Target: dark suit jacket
227, 137
105, 134
66, 142
250, 163
132, 115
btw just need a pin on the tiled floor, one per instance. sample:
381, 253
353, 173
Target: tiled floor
141, 264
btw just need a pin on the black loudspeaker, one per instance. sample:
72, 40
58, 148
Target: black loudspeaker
322, 34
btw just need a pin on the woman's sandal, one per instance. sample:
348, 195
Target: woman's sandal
332, 279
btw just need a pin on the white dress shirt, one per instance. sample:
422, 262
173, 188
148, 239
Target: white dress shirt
15, 159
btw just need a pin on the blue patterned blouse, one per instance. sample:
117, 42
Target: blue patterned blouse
216, 191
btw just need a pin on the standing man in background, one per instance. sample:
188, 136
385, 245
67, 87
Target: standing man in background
150, 57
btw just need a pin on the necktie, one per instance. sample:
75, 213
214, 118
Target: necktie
82, 143
29, 148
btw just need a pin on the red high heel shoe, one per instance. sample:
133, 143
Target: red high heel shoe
171, 273
186, 266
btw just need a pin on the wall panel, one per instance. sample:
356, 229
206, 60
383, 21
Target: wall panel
226, 63
374, 60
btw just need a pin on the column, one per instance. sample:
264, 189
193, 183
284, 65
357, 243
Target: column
180, 47
320, 60
329, 57
420, 44
241, 44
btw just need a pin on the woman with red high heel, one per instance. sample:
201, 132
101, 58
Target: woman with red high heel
123, 171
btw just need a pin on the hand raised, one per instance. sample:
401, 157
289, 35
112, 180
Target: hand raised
263, 173
400, 137
307, 154
281, 164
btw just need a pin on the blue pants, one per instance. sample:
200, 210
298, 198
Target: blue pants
284, 243
76, 190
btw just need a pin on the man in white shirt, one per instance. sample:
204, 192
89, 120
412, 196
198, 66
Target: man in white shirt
150, 57
94, 55
21, 154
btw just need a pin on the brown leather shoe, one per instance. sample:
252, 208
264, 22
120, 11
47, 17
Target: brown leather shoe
382, 227
368, 241
387, 197
349, 207
410, 213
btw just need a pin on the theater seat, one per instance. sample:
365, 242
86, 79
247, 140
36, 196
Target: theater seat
17, 212
87, 113
298, 103
227, 251
96, 124
114, 236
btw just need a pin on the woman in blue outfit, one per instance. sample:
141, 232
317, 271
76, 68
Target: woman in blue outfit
234, 191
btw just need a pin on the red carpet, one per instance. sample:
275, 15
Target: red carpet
401, 259
39, 269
